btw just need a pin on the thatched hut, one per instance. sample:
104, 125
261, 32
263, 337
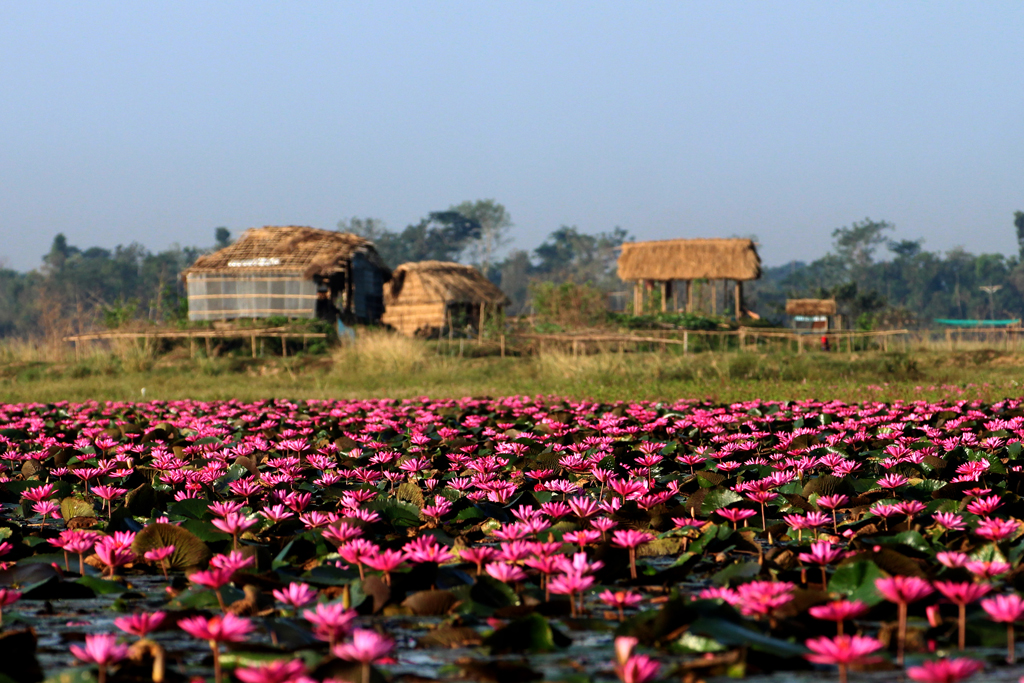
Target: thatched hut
289, 271
425, 297
667, 262
816, 314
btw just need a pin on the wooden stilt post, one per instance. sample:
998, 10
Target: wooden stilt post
253, 338
714, 297
209, 348
739, 299
666, 289
284, 346
191, 347
638, 298
502, 346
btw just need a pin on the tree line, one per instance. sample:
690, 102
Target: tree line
877, 281
880, 282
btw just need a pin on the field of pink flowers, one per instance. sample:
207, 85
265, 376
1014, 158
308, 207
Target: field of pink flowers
512, 539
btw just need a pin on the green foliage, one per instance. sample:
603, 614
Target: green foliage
686, 321
440, 236
856, 581
909, 290
495, 222
568, 305
119, 313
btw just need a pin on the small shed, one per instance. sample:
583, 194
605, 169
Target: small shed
425, 297
814, 314
291, 271
668, 263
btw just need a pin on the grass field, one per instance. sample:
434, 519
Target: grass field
394, 367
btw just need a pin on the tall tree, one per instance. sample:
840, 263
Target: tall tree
440, 236
222, 237
857, 243
1018, 222
495, 222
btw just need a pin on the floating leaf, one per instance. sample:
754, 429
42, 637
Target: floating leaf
533, 634
856, 581
73, 506
730, 633
716, 499
189, 550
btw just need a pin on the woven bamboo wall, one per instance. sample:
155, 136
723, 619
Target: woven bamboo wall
410, 318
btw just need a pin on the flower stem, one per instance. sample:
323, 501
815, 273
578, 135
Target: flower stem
962, 627
901, 636
216, 661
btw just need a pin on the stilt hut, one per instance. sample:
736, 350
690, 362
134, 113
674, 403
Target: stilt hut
813, 314
289, 271
674, 267
426, 297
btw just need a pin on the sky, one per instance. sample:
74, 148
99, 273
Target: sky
158, 121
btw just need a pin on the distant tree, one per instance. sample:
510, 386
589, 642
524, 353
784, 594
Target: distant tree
441, 236
905, 248
59, 253
856, 244
222, 236
495, 222
513, 277
1018, 222
370, 228
568, 254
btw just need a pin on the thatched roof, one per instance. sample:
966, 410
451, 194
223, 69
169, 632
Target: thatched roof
810, 306
288, 249
440, 281
702, 259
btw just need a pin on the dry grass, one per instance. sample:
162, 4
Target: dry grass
378, 352
379, 364
32, 351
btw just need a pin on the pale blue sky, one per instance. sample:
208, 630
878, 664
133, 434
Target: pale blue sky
157, 122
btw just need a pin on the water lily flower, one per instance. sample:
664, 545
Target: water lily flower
296, 595
101, 649
842, 651
903, 590
141, 624
225, 628
945, 670
1007, 609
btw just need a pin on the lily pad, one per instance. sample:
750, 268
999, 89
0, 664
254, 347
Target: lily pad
189, 551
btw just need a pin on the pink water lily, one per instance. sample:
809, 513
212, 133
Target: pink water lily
1007, 609
216, 630
101, 649
842, 651
945, 670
